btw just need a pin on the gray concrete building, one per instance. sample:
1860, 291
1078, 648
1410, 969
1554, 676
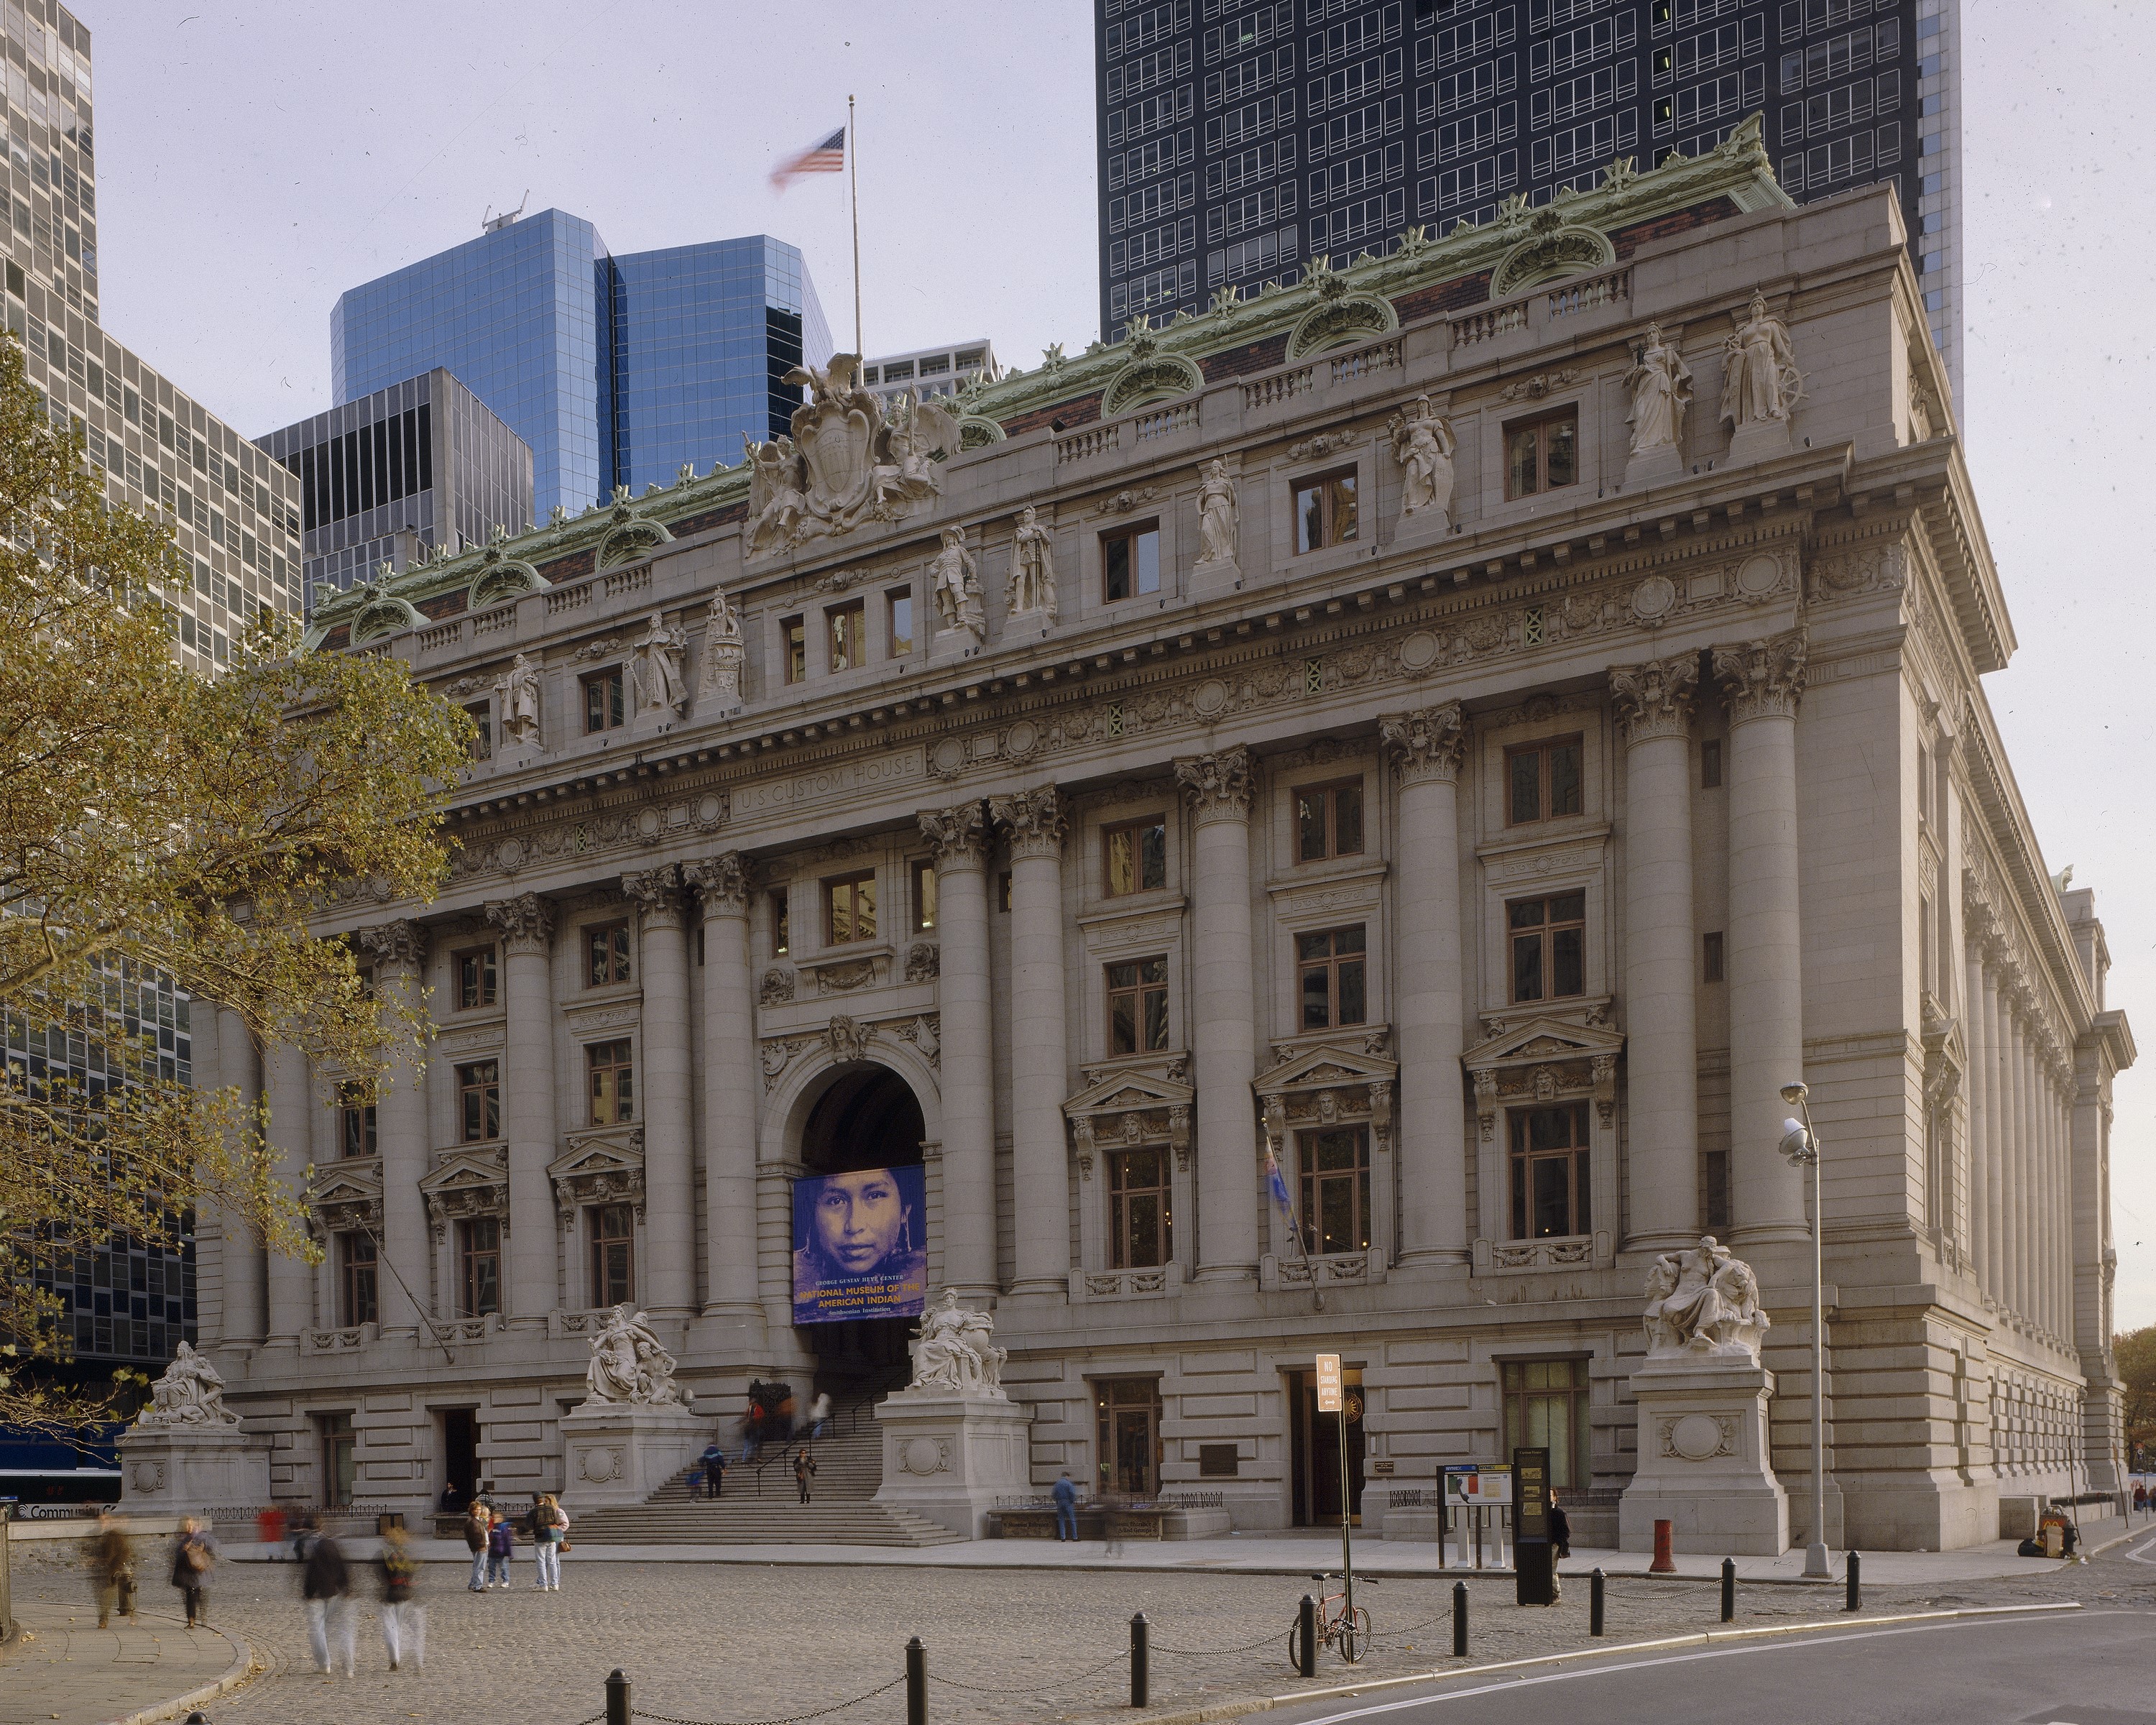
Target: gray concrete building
1471, 726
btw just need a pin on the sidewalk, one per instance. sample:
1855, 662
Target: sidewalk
61, 1667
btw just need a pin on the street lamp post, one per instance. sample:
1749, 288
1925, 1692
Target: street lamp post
1801, 1147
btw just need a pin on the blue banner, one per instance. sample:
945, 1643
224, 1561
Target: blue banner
860, 1244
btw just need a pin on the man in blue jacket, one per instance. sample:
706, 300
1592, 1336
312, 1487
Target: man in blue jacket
1066, 1509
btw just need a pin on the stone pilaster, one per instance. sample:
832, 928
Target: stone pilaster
669, 1275
958, 837
1223, 1040
527, 923
732, 1093
1976, 1026
1762, 681
290, 1282
2018, 1170
1425, 750
243, 1267
1997, 1099
1041, 1067
397, 950
1654, 705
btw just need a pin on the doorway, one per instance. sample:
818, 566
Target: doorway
1314, 1441
460, 1452
340, 1459
1127, 1436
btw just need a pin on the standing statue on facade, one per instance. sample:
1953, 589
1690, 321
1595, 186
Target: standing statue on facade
629, 1365
1703, 1302
189, 1394
516, 702
1216, 514
1660, 383
954, 1351
1032, 586
1423, 445
775, 503
662, 682
956, 581
1760, 381
718, 685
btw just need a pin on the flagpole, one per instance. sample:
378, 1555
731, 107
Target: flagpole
854, 203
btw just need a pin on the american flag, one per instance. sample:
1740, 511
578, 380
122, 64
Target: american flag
827, 158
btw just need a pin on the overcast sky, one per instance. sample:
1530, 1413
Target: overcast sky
256, 159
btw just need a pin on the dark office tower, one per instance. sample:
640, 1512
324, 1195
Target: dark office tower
1238, 141
419, 468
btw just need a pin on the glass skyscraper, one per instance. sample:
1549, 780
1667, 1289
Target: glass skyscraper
616, 370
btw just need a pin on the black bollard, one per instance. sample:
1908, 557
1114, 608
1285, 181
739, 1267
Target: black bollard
1597, 1583
1140, 1630
917, 1683
1305, 1629
1729, 1589
617, 1698
1460, 1620
1854, 1601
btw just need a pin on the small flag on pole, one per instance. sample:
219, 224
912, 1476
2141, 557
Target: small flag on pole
1276, 1182
827, 158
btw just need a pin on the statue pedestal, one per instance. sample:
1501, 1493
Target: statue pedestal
948, 1454
621, 1452
1704, 1460
190, 1470
1427, 526
1653, 467
1761, 440
1211, 581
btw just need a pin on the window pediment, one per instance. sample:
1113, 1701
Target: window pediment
604, 1165
1544, 1058
1137, 1102
468, 1183
1342, 1077
348, 1195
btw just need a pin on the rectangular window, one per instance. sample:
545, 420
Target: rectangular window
1711, 958
793, 633
476, 978
924, 896
355, 1118
1546, 1409
1330, 964
1139, 1203
847, 626
1134, 857
1138, 1006
602, 701
479, 1265
1130, 564
340, 1459
1542, 454
780, 935
849, 910
613, 1076
1542, 781
1549, 940
606, 954
613, 1253
1328, 821
1709, 764
898, 614
479, 1101
355, 1267
1325, 511
1336, 1190
1550, 1197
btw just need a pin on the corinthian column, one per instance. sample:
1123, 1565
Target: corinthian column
527, 923
670, 1180
1654, 704
1040, 1055
1978, 1025
731, 1091
238, 1068
1425, 749
958, 836
1762, 681
290, 1282
1998, 1099
1224, 1057
397, 951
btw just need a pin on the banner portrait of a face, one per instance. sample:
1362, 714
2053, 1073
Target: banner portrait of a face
859, 1246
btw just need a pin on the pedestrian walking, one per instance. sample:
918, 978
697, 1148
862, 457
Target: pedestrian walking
714, 1468
111, 1569
2140, 1495
193, 1552
804, 1471
550, 1532
1064, 1491
475, 1531
403, 1619
501, 1547
1560, 1533
819, 1415
326, 1593
751, 1431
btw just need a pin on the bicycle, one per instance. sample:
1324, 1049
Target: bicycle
1337, 1626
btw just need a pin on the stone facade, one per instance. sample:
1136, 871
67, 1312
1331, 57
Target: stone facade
1723, 732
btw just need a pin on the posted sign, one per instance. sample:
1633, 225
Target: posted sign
1478, 1484
1328, 1382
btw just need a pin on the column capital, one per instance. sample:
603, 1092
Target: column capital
1218, 785
958, 836
403, 943
655, 894
526, 921
1762, 679
1426, 744
720, 884
1035, 820
1654, 698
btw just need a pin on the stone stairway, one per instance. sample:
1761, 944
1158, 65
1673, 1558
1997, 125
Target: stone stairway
760, 1505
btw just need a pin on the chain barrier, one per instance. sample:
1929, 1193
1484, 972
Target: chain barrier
793, 1719
1222, 1652
1118, 1658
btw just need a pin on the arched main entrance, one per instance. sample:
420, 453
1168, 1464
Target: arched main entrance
867, 1117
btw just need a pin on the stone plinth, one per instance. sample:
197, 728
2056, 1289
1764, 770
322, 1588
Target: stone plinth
621, 1452
190, 1470
1761, 440
1211, 581
950, 1455
1653, 467
1703, 1460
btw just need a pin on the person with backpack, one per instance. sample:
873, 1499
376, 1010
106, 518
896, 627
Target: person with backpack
403, 1619
550, 1537
804, 1471
112, 1568
501, 1547
326, 1592
714, 1460
192, 1553
475, 1531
